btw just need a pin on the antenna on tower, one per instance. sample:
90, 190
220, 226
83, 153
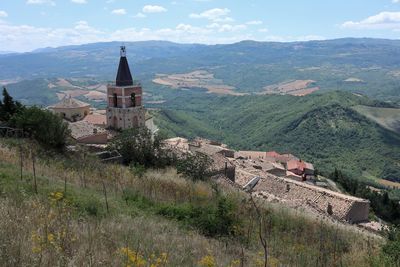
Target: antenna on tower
123, 50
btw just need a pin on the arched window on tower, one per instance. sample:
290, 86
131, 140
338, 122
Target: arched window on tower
115, 100
133, 99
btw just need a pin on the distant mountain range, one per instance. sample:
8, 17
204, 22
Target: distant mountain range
7, 52
365, 66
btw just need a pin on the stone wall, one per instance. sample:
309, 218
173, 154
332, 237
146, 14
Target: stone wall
339, 206
125, 118
94, 139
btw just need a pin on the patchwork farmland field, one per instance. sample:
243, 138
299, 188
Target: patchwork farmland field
296, 88
196, 79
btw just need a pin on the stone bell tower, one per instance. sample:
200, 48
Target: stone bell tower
124, 99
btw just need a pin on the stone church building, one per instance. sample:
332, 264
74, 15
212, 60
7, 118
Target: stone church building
124, 99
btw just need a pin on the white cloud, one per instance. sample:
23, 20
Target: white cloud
303, 38
41, 2
263, 30
3, 14
26, 37
215, 14
119, 12
383, 20
79, 1
153, 9
226, 27
254, 22
139, 15
395, 1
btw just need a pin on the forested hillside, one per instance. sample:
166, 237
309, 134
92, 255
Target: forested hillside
322, 128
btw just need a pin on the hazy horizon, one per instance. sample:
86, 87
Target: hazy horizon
54, 23
187, 43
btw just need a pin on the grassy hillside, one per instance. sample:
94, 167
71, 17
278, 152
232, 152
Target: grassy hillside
322, 128
87, 213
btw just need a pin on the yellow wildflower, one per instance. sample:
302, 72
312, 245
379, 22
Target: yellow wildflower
133, 257
56, 196
207, 261
36, 249
50, 238
235, 263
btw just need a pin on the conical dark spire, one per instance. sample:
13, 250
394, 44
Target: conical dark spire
124, 76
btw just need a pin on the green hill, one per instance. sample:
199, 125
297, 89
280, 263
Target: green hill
322, 128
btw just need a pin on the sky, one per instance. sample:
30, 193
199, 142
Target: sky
26, 25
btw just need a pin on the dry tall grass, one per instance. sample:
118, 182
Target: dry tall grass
48, 229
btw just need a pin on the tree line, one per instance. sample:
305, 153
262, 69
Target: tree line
48, 129
384, 207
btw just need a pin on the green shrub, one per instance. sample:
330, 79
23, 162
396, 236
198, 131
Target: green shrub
88, 205
137, 146
137, 169
131, 196
195, 167
43, 126
211, 220
392, 248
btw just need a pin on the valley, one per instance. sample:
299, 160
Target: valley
245, 94
323, 128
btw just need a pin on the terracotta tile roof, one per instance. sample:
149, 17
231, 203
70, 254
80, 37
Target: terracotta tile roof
83, 129
179, 143
295, 164
273, 154
308, 166
69, 102
96, 119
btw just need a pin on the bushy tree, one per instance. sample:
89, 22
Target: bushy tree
392, 247
194, 166
43, 126
137, 146
8, 107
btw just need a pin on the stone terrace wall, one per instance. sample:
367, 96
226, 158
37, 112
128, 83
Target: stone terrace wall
342, 207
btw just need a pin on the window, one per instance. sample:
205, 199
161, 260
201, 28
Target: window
115, 100
133, 99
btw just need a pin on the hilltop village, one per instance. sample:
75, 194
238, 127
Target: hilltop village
275, 177
124, 110
272, 176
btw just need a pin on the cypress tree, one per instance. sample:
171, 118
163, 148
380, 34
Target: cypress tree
8, 107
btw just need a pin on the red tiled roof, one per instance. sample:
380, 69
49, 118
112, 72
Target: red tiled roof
96, 119
273, 154
295, 164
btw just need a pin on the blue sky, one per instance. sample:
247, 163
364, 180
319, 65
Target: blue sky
29, 24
